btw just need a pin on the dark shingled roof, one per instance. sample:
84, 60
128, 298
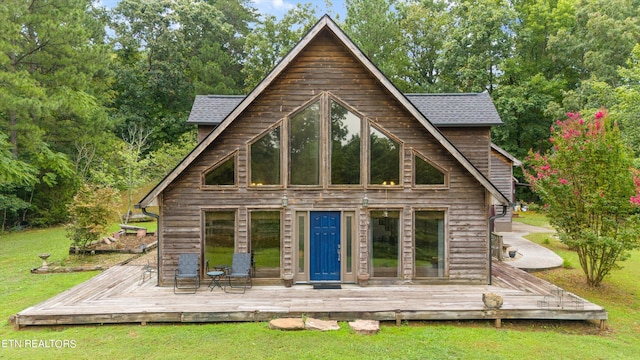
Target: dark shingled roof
443, 110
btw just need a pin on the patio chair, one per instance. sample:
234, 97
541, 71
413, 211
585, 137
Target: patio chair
240, 276
188, 270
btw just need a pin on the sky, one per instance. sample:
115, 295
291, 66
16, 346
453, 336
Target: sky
279, 7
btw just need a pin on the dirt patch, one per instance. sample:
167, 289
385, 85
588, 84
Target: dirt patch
126, 242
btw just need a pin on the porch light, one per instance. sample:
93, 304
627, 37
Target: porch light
365, 201
285, 201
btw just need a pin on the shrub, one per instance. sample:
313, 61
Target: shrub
93, 208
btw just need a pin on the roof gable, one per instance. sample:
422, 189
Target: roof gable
242, 103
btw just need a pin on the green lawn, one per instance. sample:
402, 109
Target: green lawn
440, 340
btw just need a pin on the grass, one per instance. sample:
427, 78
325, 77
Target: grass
415, 340
532, 218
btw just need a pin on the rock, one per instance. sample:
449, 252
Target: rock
286, 324
322, 325
492, 301
365, 327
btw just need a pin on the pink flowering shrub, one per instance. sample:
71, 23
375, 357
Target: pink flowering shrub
590, 190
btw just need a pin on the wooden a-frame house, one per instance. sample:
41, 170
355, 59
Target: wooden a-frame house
326, 172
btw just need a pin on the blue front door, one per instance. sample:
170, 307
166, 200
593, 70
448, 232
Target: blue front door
325, 246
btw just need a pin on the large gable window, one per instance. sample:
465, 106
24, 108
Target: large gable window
345, 146
221, 174
304, 146
384, 159
265, 159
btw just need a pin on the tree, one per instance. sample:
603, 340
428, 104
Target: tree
93, 208
52, 81
271, 40
477, 45
167, 52
374, 27
135, 144
424, 26
591, 192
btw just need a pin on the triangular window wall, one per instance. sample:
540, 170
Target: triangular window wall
221, 174
428, 174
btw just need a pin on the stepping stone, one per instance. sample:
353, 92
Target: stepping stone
322, 325
365, 327
286, 324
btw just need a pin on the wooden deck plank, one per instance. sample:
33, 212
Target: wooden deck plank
119, 296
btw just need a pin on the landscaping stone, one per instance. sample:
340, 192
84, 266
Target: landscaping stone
365, 327
286, 324
492, 301
321, 325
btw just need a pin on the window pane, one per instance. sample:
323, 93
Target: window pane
265, 243
429, 243
301, 238
219, 237
304, 146
223, 174
265, 159
345, 147
385, 232
384, 159
349, 242
427, 174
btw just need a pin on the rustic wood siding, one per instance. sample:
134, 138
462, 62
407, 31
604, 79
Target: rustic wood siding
325, 66
502, 177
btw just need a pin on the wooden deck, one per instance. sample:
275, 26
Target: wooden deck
119, 295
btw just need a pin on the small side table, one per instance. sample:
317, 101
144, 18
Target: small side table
215, 279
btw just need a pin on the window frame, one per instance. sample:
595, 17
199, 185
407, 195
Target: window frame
364, 151
445, 242
283, 172
280, 237
378, 127
321, 143
204, 173
446, 183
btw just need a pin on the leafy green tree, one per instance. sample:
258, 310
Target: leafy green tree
477, 45
52, 83
424, 27
627, 107
92, 210
167, 52
590, 191
374, 26
271, 40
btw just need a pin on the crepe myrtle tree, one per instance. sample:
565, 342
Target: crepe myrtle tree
590, 191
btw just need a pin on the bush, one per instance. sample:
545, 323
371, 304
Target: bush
93, 208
